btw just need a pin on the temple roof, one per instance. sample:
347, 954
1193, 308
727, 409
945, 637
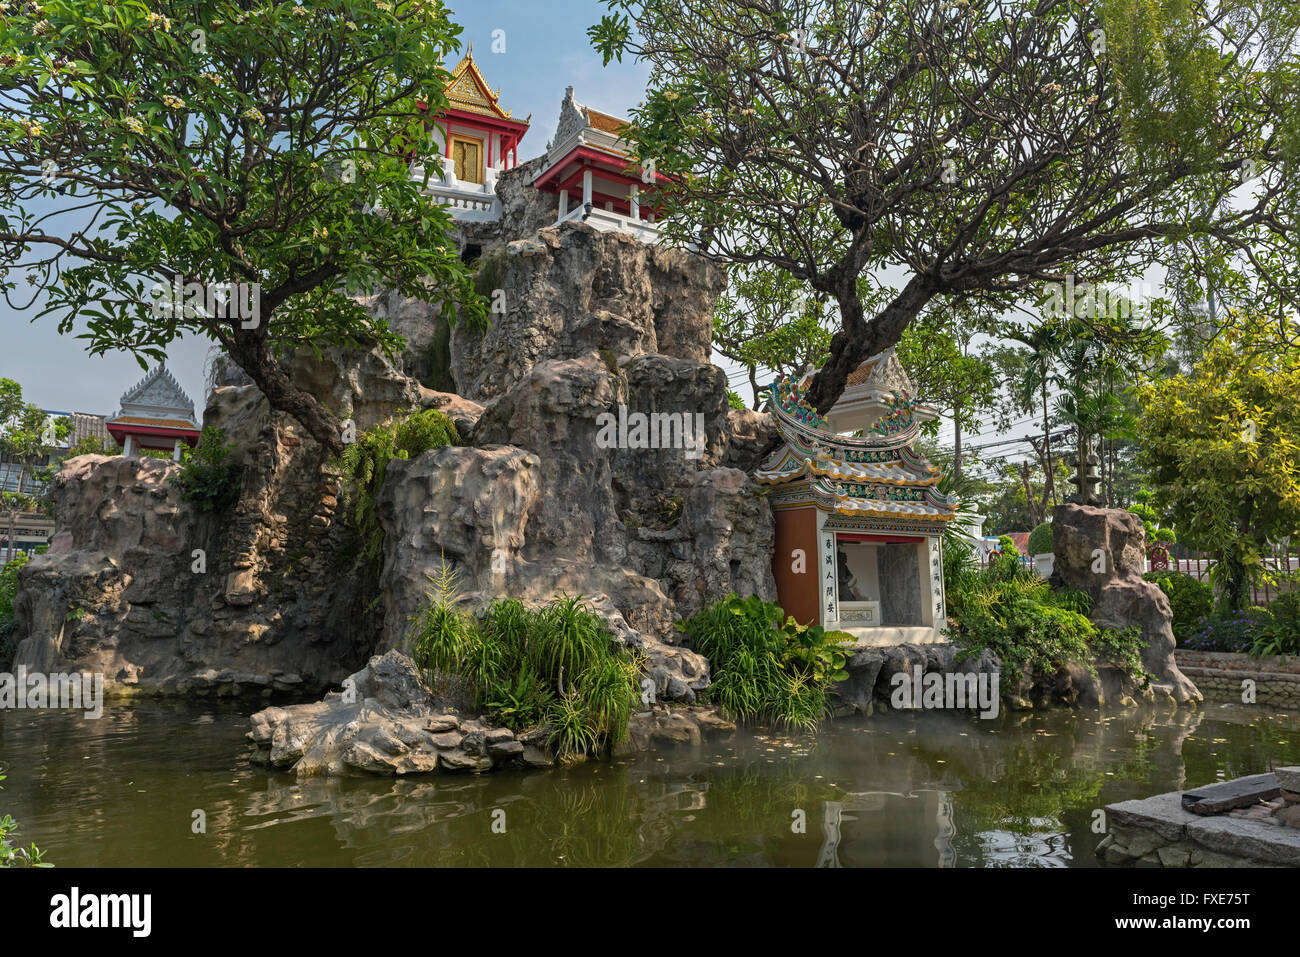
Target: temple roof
157, 395
469, 91
576, 119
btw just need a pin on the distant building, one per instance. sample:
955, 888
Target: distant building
592, 168
589, 165
478, 139
155, 414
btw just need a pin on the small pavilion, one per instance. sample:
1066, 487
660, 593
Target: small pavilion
593, 170
859, 516
478, 139
155, 414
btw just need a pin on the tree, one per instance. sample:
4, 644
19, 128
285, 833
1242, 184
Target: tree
767, 319
252, 154
948, 370
1223, 448
981, 147
1030, 372
26, 434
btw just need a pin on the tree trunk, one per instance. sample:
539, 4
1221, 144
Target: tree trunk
859, 339
253, 357
956, 442
1048, 478
1035, 517
9, 550
753, 384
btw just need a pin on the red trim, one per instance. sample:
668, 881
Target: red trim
609, 166
485, 122
120, 432
854, 537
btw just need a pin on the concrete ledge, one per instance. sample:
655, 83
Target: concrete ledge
1158, 831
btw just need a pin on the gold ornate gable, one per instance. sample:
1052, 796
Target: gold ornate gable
470, 92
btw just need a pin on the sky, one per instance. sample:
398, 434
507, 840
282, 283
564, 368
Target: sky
546, 49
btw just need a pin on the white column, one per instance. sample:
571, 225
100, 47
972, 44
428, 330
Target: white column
564, 203
128, 448
176, 451
586, 187
635, 199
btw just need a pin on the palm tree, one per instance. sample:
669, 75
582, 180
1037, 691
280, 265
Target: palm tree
1043, 343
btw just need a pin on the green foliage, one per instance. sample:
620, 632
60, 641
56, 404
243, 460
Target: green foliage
767, 666
364, 465
557, 665
1189, 600
1122, 647
1254, 631
9, 586
1040, 539
92, 445
207, 478
734, 401
1027, 624
441, 636
254, 156
17, 856
1221, 444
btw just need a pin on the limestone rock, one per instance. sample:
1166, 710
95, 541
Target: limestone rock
1101, 551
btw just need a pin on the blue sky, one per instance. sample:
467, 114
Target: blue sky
546, 49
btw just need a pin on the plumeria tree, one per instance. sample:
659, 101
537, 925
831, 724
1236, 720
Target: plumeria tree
251, 154
977, 147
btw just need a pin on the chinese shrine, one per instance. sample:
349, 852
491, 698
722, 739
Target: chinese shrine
592, 168
155, 414
859, 515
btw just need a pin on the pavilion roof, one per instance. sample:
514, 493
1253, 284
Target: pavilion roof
469, 91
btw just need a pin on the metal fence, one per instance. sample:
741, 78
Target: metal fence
1198, 566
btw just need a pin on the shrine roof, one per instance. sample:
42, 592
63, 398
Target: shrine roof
467, 90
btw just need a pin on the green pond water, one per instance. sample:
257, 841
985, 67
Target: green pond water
922, 789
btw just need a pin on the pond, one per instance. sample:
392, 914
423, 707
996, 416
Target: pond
921, 789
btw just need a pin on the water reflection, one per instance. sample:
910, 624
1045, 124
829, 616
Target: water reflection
912, 789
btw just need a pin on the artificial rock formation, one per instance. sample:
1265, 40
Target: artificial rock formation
534, 504
386, 720
141, 587
1101, 551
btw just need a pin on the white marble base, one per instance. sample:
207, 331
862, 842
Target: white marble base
884, 635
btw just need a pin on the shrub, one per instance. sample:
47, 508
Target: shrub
1189, 600
1040, 539
208, 479
9, 585
365, 465
557, 665
1028, 625
766, 665
1233, 632
17, 856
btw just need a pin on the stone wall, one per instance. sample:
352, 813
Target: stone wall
1219, 676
